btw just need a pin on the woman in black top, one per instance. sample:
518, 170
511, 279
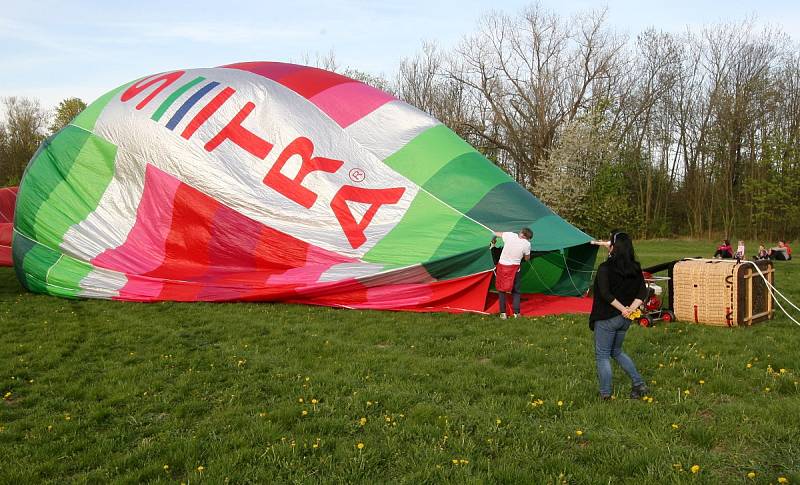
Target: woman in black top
619, 289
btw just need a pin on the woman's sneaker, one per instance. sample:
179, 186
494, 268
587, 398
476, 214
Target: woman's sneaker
503, 316
640, 391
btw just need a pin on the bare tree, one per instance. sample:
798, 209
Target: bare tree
536, 72
25, 128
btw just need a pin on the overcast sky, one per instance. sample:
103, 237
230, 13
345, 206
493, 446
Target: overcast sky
52, 50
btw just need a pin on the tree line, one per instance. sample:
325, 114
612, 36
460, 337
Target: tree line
665, 134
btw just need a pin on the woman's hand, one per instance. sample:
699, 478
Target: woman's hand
626, 312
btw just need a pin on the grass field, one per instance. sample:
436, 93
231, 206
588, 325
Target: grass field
98, 391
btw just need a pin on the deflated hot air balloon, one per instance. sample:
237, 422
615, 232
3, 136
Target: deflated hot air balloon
275, 182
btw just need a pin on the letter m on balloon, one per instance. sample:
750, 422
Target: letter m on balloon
354, 231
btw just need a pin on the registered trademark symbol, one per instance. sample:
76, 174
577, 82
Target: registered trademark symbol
357, 175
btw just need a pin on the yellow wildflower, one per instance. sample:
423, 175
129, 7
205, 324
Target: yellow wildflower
360, 446
498, 421
560, 403
578, 433
749, 365
751, 475
166, 468
201, 468
783, 480
304, 413
695, 468
362, 421
701, 381
314, 401
675, 426
300, 400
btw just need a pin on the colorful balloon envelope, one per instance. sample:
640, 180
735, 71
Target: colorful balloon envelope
268, 181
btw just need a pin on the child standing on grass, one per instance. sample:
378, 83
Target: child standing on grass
739, 251
619, 290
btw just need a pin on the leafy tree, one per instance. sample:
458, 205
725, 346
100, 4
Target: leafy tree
66, 111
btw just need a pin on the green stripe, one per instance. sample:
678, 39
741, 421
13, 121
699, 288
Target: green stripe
467, 263
38, 260
44, 173
416, 237
464, 181
175, 95
427, 154
466, 236
85, 180
88, 117
63, 278
20, 246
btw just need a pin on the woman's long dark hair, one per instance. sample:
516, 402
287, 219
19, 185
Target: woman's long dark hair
623, 258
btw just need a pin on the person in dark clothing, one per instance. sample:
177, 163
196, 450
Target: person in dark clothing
724, 250
619, 290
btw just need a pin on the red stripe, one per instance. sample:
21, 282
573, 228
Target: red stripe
209, 109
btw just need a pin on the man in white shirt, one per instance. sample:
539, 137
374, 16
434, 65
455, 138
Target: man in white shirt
516, 247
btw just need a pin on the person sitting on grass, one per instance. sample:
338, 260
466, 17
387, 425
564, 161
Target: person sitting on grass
762, 253
724, 250
782, 252
619, 290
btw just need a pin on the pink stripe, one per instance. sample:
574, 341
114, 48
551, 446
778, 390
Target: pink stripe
141, 288
144, 249
319, 261
349, 102
270, 70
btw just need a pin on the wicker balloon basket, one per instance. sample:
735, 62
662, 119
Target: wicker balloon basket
722, 292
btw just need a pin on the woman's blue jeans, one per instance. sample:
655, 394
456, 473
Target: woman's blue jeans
608, 337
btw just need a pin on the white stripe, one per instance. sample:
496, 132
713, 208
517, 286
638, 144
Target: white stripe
390, 127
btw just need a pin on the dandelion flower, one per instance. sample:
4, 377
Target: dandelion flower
783, 371
675, 426
701, 381
560, 403
766, 389
314, 401
201, 468
751, 475
304, 413
783, 480
455, 462
686, 392
498, 421
749, 365
166, 468
695, 468
578, 433
360, 446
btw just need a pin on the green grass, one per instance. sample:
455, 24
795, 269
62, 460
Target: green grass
108, 391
